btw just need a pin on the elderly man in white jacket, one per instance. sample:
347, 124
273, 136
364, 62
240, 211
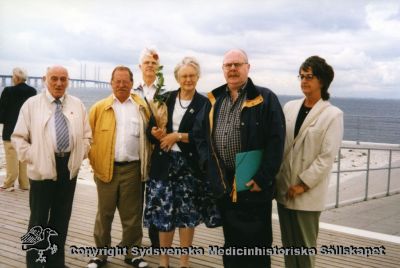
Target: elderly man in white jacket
314, 131
52, 135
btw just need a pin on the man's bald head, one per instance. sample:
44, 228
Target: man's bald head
57, 80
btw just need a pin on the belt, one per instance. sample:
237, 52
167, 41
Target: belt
62, 154
124, 163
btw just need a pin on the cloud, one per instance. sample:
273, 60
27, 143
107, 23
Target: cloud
358, 38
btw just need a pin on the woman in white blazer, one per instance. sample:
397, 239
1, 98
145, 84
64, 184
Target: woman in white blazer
314, 131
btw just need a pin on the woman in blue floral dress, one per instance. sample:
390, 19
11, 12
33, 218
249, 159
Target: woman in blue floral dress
175, 192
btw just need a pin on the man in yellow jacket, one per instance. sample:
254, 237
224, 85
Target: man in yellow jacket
119, 157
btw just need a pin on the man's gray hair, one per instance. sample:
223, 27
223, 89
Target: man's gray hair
20, 74
152, 52
187, 61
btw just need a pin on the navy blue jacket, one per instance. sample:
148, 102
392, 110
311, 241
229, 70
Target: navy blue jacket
160, 160
262, 126
11, 101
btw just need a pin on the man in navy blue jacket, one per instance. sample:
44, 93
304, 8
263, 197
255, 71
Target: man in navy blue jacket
239, 117
11, 101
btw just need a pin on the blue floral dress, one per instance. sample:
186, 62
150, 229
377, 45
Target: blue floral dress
180, 200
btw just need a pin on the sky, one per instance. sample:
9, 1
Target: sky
360, 39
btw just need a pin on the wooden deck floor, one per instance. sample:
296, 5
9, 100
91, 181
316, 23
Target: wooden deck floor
14, 213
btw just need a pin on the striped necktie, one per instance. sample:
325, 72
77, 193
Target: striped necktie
62, 136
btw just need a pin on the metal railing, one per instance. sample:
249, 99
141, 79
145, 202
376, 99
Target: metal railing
389, 166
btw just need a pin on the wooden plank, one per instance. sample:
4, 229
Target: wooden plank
14, 218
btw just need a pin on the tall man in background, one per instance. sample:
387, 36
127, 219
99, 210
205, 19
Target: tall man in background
11, 101
149, 61
119, 157
53, 136
241, 117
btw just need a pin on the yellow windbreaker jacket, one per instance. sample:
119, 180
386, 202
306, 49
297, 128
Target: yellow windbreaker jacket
103, 124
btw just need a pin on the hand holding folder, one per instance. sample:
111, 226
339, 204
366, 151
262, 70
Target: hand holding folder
246, 166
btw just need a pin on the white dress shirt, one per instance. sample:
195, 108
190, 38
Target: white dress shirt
127, 130
148, 91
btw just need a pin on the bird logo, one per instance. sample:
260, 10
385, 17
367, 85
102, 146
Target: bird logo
38, 239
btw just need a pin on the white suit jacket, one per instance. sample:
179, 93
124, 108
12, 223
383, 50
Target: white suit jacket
311, 158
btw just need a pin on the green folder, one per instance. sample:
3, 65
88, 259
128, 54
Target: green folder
247, 165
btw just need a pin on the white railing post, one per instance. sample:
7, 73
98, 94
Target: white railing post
389, 172
338, 179
367, 177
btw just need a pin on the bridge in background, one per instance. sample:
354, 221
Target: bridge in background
37, 82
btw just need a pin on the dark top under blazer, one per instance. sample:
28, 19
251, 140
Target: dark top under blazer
160, 160
11, 101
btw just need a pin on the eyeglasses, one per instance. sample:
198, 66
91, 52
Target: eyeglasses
188, 76
154, 63
308, 77
234, 64
123, 82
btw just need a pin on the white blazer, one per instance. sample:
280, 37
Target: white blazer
311, 158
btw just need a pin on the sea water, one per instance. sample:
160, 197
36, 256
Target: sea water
367, 120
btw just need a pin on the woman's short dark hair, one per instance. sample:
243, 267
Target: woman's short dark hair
322, 70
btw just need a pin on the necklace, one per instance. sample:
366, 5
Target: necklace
306, 109
179, 99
